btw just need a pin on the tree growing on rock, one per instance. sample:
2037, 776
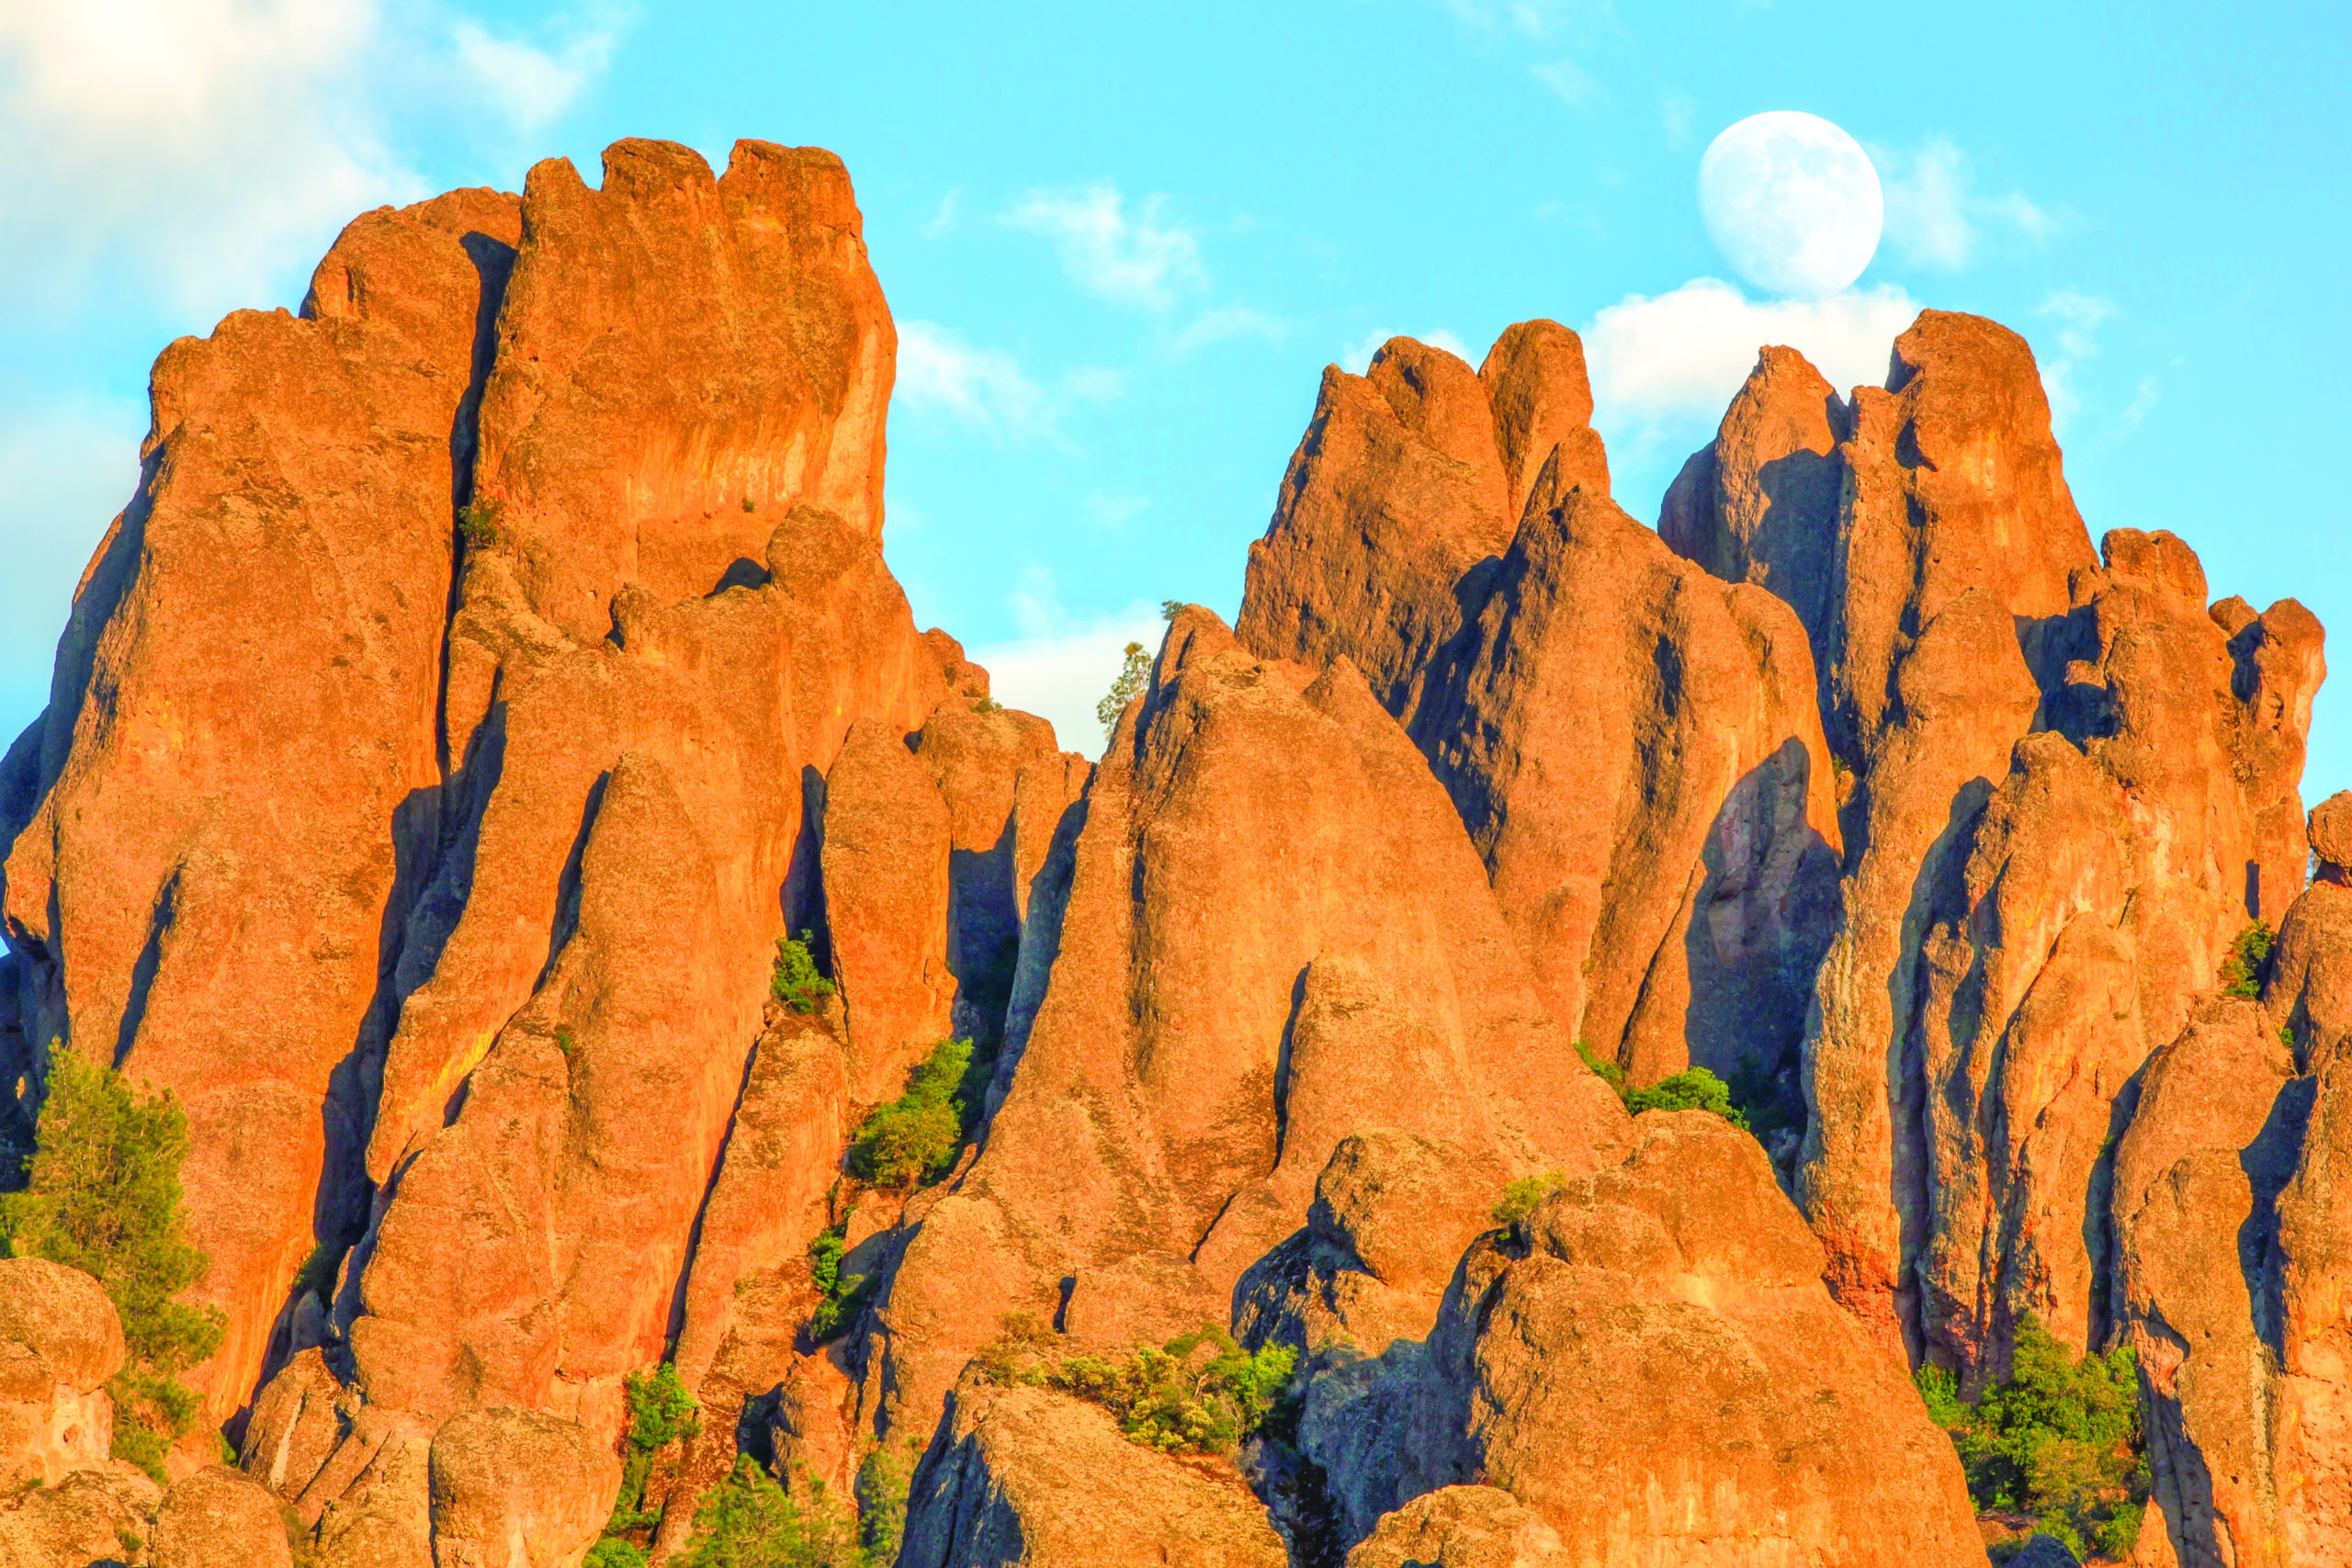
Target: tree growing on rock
104, 1197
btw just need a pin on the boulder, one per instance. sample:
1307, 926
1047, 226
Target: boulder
1649, 1364
1027, 1475
1461, 1526
517, 1488
2330, 832
92, 1516
60, 1341
217, 1516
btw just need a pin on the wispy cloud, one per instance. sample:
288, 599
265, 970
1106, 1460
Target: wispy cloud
1112, 511
1142, 258
2078, 318
532, 85
1536, 18
986, 388
1935, 215
211, 149
1571, 84
1676, 113
65, 470
943, 220
1062, 661
1223, 324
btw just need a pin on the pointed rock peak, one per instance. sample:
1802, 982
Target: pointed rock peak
1542, 397
1437, 398
2233, 615
1978, 371
802, 180
644, 170
2159, 563
2331, 835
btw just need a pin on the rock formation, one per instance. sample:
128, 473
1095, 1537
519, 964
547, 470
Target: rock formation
2069, 787
1633, 745
498, 658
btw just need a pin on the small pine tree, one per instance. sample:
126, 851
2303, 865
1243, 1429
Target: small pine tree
796, 982
104, 1197
1133, 675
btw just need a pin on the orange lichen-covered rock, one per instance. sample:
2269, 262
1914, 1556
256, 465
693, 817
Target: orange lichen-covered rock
1274, 934
1648, 1363
681, 359
1633, 746
60, 1341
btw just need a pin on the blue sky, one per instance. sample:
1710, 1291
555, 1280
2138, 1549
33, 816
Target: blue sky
1121, 242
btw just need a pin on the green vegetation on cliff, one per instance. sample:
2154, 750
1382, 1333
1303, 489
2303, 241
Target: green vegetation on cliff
1198, 1393
840, 1297
749, 1521
661, 1411
104, 1197
2248, 963
796, 982
1694, 1088
2059, 1440
913, 1141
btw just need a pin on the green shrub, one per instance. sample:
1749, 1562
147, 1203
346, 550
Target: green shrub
749, 1521
613, 1553
913, 1141
661, 1411
104, 1197
1135, 673
840, 1297
478, 524
1520, 1197
1694, 1088
2248, 963
2059, 1440
1198, 1393
796, 983
882, 1484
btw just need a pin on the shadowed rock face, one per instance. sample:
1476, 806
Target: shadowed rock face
1633, 746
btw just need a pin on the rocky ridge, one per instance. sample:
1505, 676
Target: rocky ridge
498, 658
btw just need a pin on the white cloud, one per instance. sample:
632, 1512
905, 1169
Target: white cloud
1936, 218
981, 387
2144, 403
1575, 87
1360, 351
1685, 355
1223, 324
1061, 663
212, 148
1143, 260
1112, 511
210, 139
943, 222
64, 472
1536, 18
534, 86
2079, 317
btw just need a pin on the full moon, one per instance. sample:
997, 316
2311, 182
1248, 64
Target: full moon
1792, 203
